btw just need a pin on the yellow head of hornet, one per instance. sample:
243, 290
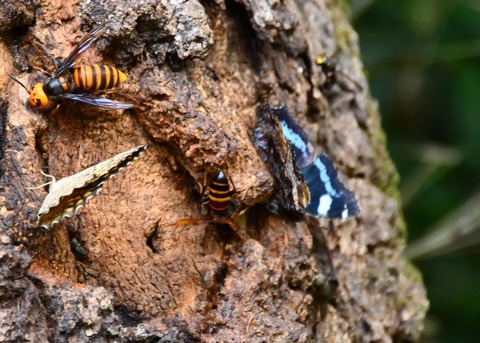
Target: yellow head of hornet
38, 99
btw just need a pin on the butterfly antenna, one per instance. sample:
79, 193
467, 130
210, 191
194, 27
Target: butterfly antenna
21, 84
51, 182
49, 176
40, 186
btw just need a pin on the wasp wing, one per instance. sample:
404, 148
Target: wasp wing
81, 47
97, 101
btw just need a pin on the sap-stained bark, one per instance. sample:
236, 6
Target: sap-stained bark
196, 72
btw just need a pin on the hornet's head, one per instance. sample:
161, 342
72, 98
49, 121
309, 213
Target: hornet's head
38, 98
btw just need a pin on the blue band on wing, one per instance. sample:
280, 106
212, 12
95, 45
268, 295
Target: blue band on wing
329, 197
304, 184
296, 135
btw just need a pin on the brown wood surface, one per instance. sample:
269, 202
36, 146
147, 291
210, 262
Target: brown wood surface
196, 73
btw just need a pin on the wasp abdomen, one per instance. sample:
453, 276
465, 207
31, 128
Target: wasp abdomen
95, 77
219, 194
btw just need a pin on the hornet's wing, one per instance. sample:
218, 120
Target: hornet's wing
81, 47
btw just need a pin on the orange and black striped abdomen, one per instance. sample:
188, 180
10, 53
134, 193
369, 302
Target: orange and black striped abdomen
219, 194
95, 77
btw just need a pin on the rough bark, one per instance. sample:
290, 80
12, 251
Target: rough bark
196, 73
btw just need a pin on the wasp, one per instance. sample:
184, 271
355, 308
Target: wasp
68, 81
328, 68
332, 74
218, 197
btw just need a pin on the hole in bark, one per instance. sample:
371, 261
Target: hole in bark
151, 239
174, 62
127, 316
366, 327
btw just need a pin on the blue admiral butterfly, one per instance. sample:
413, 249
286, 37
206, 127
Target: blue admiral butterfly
303, 183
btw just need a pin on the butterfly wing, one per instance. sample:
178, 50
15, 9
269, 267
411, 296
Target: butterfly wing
329, 198
302, 184
296, 135
69, 194
290, 190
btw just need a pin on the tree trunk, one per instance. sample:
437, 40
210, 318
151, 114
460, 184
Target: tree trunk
196, 71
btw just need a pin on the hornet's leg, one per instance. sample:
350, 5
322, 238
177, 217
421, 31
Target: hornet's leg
182, 222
